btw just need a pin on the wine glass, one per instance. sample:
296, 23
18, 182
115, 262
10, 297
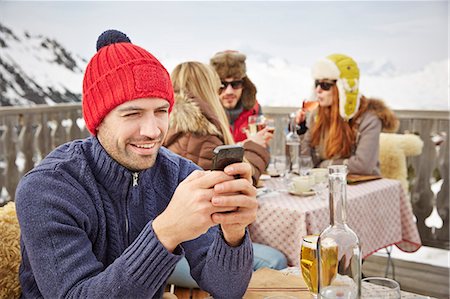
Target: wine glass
306, 164
256, 123
308, 106
380, 288
270, 125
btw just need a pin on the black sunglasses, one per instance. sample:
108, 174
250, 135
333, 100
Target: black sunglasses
324, 85
234, 84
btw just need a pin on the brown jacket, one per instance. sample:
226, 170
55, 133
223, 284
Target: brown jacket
194, 133
364, 157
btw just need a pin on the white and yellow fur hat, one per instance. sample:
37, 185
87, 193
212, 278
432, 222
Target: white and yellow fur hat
345, 71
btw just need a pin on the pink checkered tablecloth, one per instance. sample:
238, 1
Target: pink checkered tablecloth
378, 211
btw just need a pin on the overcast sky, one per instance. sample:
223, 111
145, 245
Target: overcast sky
408, 36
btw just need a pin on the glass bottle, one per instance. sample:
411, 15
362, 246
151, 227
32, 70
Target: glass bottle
339, 250
292, 146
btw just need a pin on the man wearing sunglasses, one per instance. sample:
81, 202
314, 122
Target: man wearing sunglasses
238, 95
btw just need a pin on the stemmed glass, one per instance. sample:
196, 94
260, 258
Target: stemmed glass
256, 123
270, 125
309, 105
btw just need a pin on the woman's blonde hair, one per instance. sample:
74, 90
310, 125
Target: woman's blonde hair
199, 80
341, 134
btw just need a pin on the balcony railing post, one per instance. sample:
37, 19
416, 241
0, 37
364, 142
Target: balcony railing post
35, 131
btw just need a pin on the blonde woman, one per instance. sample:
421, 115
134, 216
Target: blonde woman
198, 124
346, 126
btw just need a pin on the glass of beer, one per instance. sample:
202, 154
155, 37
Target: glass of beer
309, 263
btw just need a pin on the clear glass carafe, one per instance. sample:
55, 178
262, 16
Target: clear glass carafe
292, 147
339, 249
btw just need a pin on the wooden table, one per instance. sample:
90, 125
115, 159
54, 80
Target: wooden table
378, 211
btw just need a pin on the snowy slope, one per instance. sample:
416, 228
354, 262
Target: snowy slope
35, 69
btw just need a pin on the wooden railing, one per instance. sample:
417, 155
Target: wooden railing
29, 134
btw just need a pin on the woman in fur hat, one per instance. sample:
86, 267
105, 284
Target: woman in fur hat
198, 124
346, 126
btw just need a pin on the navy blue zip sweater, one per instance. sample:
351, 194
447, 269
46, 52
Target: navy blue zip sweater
86, 230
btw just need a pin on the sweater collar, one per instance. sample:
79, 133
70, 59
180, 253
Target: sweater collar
108, 171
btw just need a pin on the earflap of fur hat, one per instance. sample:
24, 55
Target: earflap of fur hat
248, 97
229, 64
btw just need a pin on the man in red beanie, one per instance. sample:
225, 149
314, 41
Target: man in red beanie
111, 215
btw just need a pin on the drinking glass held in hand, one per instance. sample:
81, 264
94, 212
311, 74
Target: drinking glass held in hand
270, 125
256, 123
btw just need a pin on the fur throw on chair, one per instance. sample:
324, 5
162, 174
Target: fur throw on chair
394, 148
9, 252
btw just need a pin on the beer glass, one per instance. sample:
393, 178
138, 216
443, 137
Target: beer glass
309, 260
308, 263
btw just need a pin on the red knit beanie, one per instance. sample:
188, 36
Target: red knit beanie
121, 72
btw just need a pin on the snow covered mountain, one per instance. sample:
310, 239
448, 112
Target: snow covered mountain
35, 69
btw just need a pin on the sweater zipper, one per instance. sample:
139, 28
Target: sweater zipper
134, 184
135, 178
134, 193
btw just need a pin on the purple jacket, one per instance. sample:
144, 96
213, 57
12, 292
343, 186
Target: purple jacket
86, 230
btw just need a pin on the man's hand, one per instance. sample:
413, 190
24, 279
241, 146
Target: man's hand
239, 197
189, 213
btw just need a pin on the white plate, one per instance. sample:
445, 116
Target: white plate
307, 193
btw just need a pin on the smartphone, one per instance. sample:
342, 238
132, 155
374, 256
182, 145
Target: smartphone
227, 154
